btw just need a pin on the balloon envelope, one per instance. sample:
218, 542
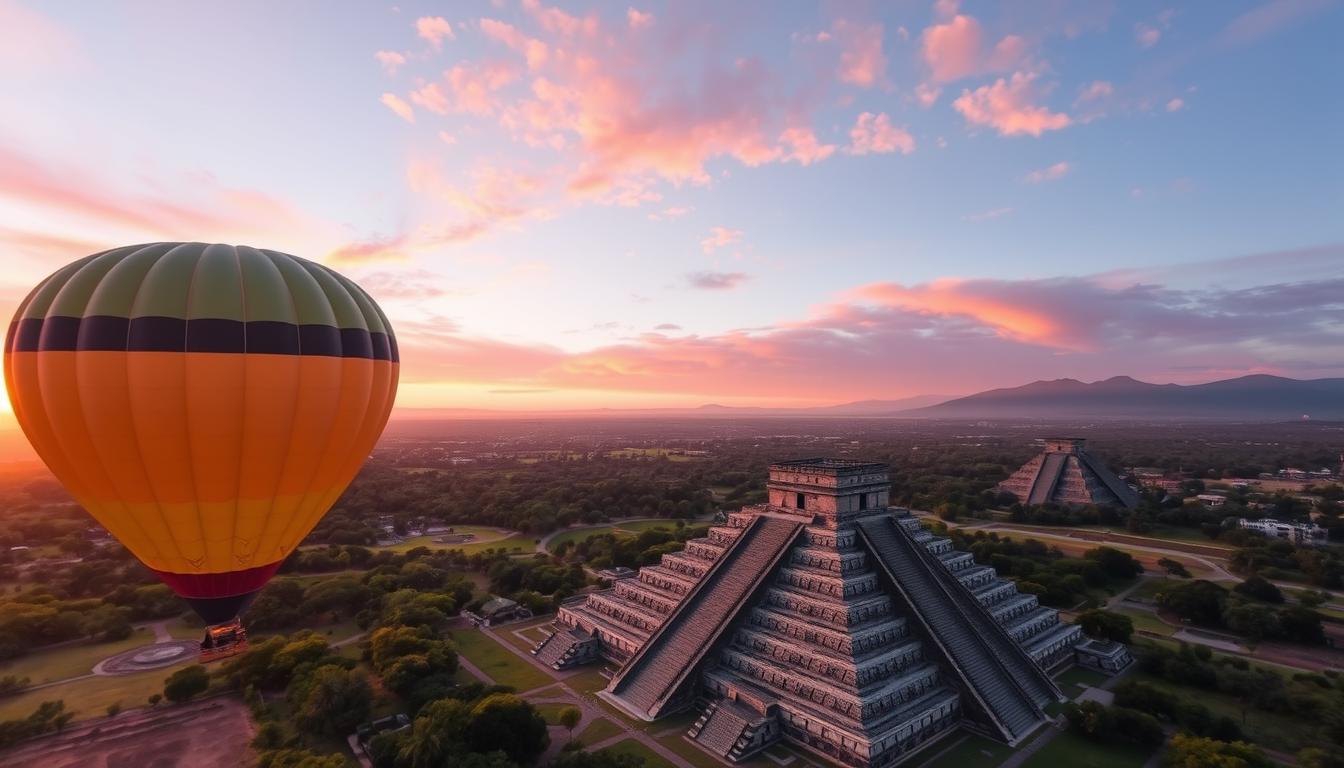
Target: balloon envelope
207, 404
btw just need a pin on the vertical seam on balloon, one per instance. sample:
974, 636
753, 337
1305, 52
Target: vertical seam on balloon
344, 362
84, 421
186, 407
135, 439
135, 429
294, 308
242, 442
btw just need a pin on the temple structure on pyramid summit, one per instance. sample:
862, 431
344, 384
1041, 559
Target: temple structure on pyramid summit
1065, 473
830, 620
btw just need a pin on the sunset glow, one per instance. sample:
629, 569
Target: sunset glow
591, 205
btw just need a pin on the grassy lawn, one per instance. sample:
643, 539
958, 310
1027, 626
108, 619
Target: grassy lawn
590, 680
90, 697
971, 752
633, 747
1148, 590
1078, 676
1077, 752
71, 660
497, 661
598, 730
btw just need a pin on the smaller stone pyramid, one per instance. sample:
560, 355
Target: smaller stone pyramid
1065, 473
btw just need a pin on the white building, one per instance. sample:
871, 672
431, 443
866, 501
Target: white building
1297, 533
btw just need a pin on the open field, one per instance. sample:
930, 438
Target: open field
651, 453
497, 661
618, 527
90, 696
1146, 621
45, 666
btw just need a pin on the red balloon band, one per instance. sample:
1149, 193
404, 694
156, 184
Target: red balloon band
212, 585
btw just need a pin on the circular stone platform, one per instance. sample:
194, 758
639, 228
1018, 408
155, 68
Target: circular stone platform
148, 657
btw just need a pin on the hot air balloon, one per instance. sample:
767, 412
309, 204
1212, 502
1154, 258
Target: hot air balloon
207, 404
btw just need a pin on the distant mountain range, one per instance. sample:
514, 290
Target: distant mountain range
1247, 398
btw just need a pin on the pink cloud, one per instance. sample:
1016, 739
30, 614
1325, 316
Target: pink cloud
1050, 173
1175, 105
955, 50
862, 61
637, 19
535, 51
1095, 91
716, 281
559, 22
720, 237
1146, 36
431, 97
391, 61
399, 107
1007, 107
927, 94
435, 29
875, 133
803, 146
674, 212
992, 213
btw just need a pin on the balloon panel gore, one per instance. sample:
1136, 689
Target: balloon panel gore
219, 610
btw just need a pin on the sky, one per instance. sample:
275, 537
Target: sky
664, 204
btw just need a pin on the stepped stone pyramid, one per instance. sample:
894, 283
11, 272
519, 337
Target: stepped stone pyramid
828, 619
1065, 473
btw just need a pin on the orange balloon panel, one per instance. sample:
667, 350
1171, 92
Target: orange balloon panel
206, 404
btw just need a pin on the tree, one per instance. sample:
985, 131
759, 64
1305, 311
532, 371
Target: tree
185, 683
1254, 622
332, 701
1188, 751
1115, 564
439, 732
1198, 601
1259, 588
154, 699
505, 722
1174, 567
570, 717
114, 709
1106, 624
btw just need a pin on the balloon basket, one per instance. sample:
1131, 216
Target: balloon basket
222, 641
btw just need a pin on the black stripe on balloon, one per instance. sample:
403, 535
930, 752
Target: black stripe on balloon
104, 333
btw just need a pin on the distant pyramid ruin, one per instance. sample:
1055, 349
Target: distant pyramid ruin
1065, 473
830, 620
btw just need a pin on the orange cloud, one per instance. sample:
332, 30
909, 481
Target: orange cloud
399, 107
875, 133
1007, 107
950, 296
803, 146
